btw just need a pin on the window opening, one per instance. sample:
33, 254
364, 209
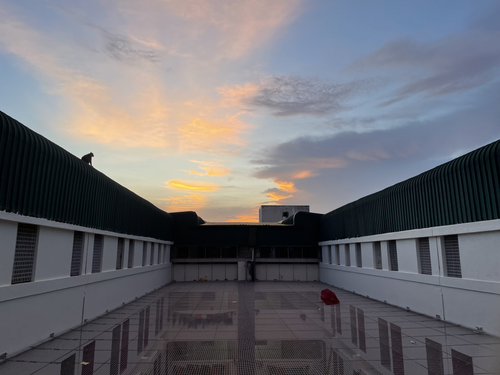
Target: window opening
347, 255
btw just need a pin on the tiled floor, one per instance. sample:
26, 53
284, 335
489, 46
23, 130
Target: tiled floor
276, 328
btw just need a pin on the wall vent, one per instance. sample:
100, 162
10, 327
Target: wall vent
377, 255
77, 254
424, 256
359, 260
131, 251
393, 255
24, 258
97, 254
452, 256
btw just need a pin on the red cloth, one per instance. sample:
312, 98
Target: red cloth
328, 297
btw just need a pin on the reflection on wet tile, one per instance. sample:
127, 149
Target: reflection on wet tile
267, 328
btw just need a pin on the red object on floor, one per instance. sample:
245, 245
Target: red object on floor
329, 298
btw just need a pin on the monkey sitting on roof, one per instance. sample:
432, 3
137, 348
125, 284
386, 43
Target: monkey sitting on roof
88, 158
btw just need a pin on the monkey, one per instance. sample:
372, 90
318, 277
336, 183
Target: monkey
88, 158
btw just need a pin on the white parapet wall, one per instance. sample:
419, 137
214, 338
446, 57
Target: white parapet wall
54, 301
463, 286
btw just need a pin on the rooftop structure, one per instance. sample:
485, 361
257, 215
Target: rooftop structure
86, 266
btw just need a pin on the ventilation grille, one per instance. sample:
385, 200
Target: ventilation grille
354, 327
131, 250
434, 357
462, 364
119, 255
76, 258
397, 350
152, 258
24, 258
329, 249
337, 255
377, 255
359, 260
452, 255
97, 255
68, 365
393, 255
159, 254
347, 256
424, 255
361, 330
385, 354
144, 253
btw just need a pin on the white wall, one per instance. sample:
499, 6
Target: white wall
471, 301
55, 302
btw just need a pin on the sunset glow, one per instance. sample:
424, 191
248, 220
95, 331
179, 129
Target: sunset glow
223, 106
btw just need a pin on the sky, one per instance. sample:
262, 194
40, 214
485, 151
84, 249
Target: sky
221, 106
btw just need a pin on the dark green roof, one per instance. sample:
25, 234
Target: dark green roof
41, 179
464, 190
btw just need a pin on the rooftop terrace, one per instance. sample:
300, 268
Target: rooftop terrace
260, 328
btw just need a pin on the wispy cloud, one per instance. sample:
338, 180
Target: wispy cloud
191, 185
216, 137
456, 63
276, 194
191, 202
296, 95
417, 140
210, 168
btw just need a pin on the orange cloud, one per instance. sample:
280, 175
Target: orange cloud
191, 185
276, 195
97, 110
200, 135
303, 174
190, 202
240, 25
287, 186
210, 168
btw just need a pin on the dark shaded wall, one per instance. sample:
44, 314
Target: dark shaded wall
464, 190
40, 179
302, 230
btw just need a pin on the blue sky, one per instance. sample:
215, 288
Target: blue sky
219, 106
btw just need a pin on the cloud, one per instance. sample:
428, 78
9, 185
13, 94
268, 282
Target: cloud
210, 168
96, 109
296, 95
286, 186
191, 185
230, 29
459, 131
303, 174
456, 63
212, 136
276, 194
122, 48
190, 202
